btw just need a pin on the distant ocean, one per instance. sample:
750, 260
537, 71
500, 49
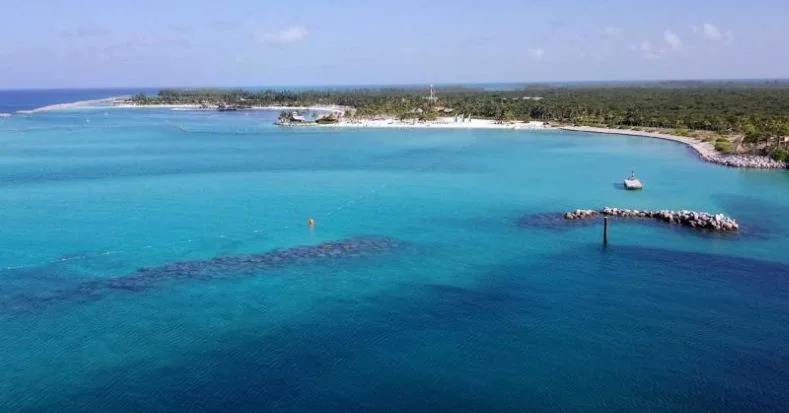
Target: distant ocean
155, 260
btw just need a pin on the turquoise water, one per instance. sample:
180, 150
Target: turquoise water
156, 260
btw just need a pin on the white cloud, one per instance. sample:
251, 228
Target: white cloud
537, 53
612, 31
672, 39
290, 35
712, 33
648, 50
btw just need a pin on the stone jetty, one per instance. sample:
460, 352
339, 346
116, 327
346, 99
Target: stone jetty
692, 219
581, 214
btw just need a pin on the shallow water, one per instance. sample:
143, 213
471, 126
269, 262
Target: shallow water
474, 304
12, 101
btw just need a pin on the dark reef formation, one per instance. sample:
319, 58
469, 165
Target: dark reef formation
215, 268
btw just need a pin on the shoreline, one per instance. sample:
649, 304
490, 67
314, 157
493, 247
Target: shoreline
324, 108
102, 103
120, 102
440, 123
705, 150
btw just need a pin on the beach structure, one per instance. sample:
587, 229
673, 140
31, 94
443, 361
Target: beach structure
290, 118
633, 183
222, 107
328, 119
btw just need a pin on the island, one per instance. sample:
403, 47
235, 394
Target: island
733, 123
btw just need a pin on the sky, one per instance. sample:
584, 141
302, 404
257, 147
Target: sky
191, 43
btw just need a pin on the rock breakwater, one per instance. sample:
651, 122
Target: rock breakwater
705, 150
692, 219
744, 161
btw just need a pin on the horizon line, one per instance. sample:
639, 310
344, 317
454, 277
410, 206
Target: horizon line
402, 84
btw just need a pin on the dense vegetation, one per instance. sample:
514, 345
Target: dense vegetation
759, 113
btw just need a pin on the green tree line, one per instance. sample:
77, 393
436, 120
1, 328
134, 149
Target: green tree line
760, 112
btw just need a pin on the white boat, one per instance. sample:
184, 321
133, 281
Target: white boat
632, 182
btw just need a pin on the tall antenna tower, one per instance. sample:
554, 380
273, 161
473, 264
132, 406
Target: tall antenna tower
432, 97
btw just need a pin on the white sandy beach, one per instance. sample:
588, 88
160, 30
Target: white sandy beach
704, 149
114, 102
335, 109
83, 104
316, 108
119, 102
440, 123
158, 106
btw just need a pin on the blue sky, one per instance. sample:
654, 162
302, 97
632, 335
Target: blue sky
126, 43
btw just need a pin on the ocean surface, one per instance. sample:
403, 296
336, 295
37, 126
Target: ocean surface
155, 260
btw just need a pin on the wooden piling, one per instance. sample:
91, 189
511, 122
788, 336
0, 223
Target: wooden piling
605, 231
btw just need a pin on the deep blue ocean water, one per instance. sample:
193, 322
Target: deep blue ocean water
157, 261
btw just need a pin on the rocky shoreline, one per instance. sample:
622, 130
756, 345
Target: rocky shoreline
705, 150
692, 219
744, 161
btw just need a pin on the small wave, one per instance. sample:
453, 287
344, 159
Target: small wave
5, 115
